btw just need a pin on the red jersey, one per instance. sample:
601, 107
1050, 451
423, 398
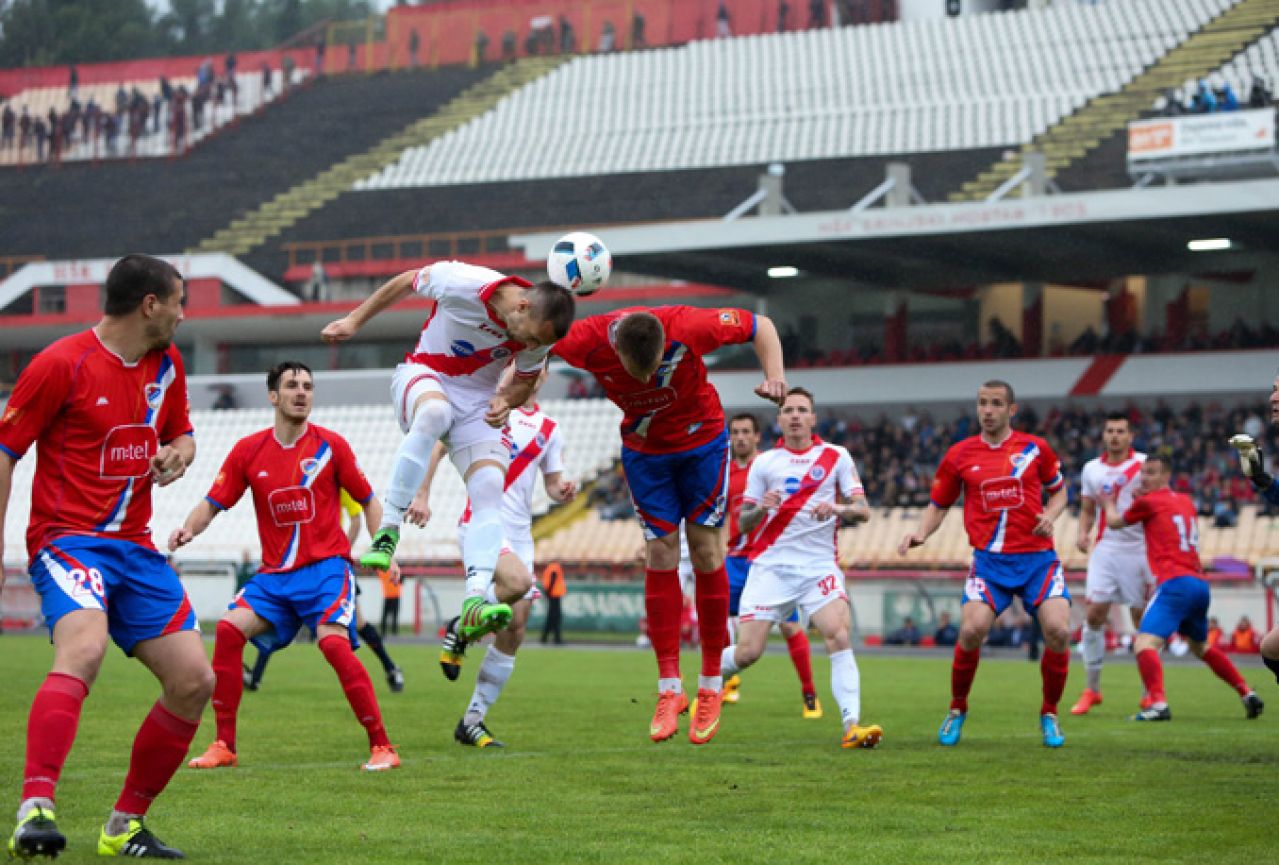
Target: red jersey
738, 543
677, 410
1172, 533
296, 493
96, 422
1003, 490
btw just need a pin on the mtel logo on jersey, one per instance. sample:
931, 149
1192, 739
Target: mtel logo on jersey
1001, 494
292, 505
127, 452
649, 400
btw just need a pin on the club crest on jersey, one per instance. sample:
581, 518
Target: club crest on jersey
310, 466
500, 353
154, 394
540, 438
817, 474
462, 348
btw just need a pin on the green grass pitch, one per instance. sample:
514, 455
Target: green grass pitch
580, 782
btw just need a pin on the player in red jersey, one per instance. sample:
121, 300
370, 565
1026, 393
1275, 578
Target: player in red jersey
675, 455
296, 472
1002, 475
107, 411
743, 443
1181, 600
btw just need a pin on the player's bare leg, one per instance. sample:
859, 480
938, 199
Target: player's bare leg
1270, 651
179, 662
834, 623
1054, 666
802, 657
511, 582
706, 549
975, 619
237, 627
663, 604
1093, 640
79, 644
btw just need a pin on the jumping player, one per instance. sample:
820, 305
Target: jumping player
1181, 602
107, 410
743, 443
1117, 568
1254, 466
675, 456
794, 491
1002, 474
448, 390
537, 445
295, 471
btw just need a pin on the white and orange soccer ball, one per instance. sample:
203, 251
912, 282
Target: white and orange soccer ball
580, 262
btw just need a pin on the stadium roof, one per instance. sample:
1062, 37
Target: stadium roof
1054, 238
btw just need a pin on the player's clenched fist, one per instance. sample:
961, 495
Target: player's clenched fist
167, 466
338, 331
909, 542
180, 538
772, 389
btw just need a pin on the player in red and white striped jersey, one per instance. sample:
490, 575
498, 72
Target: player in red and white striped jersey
1117, 568
537, 446
792, 494
447, 390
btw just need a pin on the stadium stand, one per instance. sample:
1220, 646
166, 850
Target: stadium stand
816, 94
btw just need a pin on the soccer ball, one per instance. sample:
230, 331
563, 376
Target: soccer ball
579, 262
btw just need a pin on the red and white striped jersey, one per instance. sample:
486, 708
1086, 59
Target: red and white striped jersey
1101, 479
536, 445
463, 338
792, 538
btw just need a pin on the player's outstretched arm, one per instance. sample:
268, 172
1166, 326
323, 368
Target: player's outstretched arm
197, 521
392, 292
928, 523
419, 512
768, 348
6, 484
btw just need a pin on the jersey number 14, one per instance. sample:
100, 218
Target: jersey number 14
1189, 534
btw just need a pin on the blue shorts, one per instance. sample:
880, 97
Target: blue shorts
1180, 605
314, 594
141, 595
688, 486
996, 578
739, 568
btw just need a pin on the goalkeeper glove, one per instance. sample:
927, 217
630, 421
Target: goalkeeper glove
1251, 461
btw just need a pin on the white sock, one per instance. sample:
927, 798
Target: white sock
846, 682
29, 805
732, 630
412, 459
490, 594
728, 661
675, 686
1094, 645
483, 542
710, 683
494, 672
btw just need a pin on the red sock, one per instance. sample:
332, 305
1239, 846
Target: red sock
1054, 667
159, 749
1152, 674
228, 688
664, 602
712, 617
962, 671
801, 657
51, 728
1226, 670
357, 685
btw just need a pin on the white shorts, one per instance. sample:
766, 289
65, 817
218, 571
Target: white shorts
522, 549
412, 380
1118, 575
772, 594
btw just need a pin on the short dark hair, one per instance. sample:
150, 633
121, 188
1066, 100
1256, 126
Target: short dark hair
745, 416
641, 338
804, 392
275, 373
1163, 457
1119, 415
1008, 389
135, 276
553, 303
